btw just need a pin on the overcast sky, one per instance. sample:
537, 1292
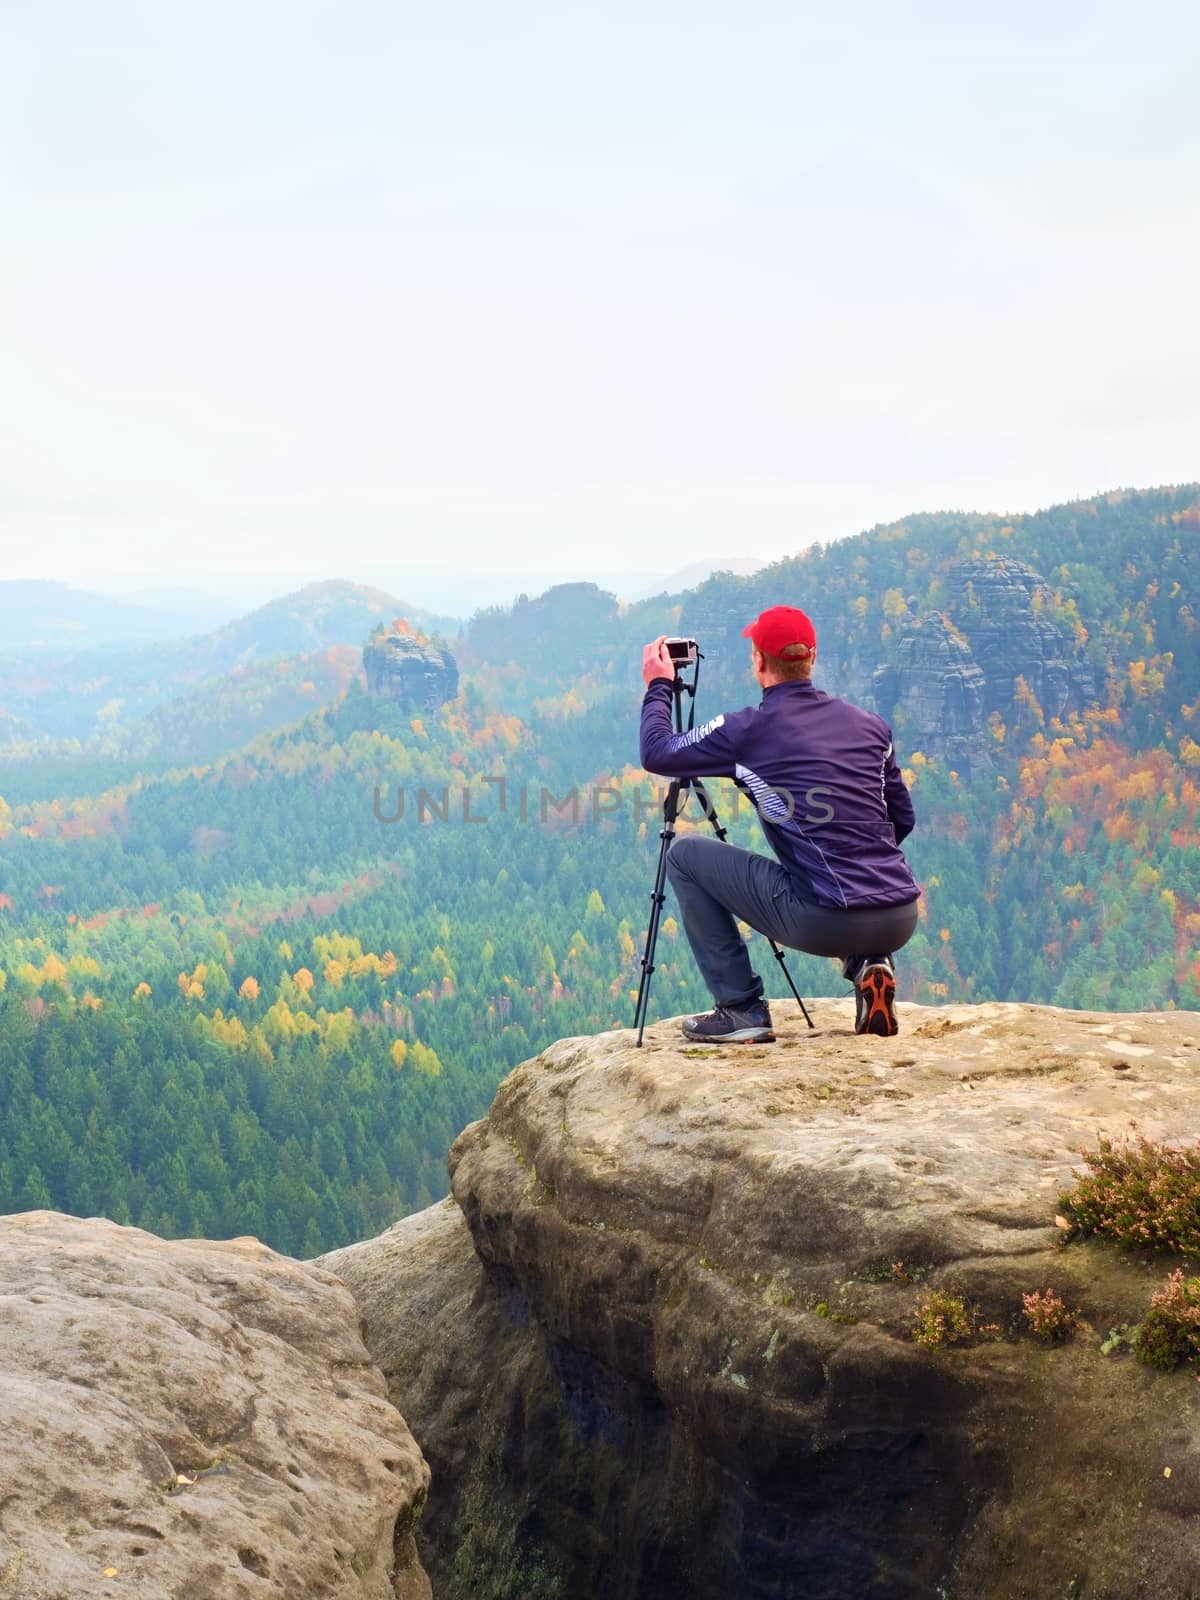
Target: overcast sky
300, 290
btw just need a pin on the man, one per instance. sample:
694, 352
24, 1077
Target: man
824, 781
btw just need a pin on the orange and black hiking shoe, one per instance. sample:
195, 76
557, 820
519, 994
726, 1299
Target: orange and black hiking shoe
874, 997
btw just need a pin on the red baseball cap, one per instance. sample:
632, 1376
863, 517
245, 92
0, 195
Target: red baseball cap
777, 628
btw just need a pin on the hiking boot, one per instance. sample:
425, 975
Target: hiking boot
874, 997
748, 1024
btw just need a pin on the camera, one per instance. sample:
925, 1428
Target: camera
682, 651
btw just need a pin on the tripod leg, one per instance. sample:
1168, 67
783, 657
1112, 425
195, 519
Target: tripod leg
779, 956
710, 811
657, 897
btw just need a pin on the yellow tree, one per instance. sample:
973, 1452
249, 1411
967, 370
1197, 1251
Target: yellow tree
425, 1060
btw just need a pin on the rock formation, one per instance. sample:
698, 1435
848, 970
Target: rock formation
659, 1342
1004, 609
192, 1421
944, 672
934, 693
952, 670
403, 666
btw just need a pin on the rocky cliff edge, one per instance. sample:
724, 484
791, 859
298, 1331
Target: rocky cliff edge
192, 1421
660, 1341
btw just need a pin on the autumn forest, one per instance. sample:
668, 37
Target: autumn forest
273, 926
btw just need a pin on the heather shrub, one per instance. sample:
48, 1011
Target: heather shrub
941, 1319
1170, 1330
1048, 1317
1140, 1194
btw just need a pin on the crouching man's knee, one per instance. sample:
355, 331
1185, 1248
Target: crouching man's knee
680, 855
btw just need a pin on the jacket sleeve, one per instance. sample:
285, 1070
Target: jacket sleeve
704, 751
897, 798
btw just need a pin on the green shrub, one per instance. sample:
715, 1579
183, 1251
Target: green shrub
1170, 1330
941, 1319
1048, 1317
1139, 1194
1119, 1337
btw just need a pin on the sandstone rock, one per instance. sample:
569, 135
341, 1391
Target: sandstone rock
1003, 608
658, 1345
953, 669
401, 665
934, 694
128, 1363
944, 674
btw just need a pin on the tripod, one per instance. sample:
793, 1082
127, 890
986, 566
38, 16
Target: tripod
673, 804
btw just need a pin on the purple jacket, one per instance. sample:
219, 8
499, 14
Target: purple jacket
823, 778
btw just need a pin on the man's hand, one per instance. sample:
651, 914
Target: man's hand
656, 661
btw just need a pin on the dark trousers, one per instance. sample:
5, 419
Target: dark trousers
717, 885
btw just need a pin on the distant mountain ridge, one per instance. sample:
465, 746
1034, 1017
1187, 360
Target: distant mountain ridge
883, 601
642, 587
44, 615
224, 713
333, 612
86, 696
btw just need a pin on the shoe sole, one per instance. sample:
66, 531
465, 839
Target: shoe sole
739, 1036
877, 988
